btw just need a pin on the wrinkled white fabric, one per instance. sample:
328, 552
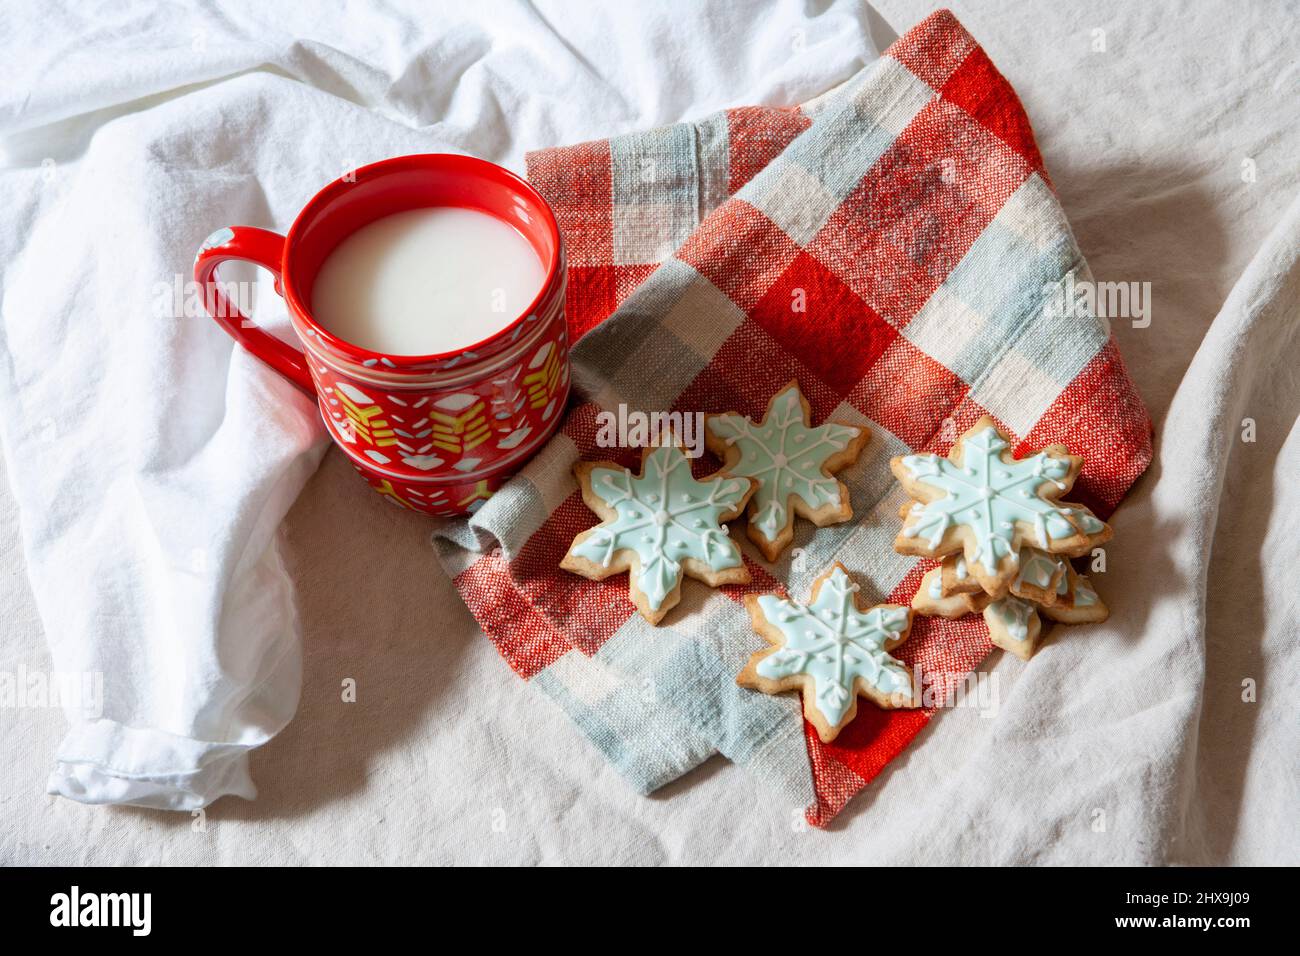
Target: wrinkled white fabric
151, 461
1124, 742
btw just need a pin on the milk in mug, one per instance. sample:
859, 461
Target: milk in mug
426, 281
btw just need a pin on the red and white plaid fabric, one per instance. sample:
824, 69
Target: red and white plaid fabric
896, 246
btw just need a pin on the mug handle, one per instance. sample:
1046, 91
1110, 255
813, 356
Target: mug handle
260, 247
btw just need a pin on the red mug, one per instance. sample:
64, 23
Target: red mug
434, 433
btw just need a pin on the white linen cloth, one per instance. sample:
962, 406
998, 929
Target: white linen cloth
152, 461
448, 757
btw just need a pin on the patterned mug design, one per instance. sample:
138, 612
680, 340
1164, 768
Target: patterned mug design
433, 433
480, 432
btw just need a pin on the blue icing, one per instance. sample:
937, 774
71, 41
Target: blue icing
665, 517
1084, 595
1088, 522
988, 496
834, 643
1038, 569
785, 457
1013, 614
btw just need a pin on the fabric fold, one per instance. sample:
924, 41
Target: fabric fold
147, 768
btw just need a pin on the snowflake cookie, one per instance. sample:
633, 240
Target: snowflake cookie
1039, 577
931, 600
1014, 623
987, 504
955, 576
792, 464
1076, 601
831, 649
659, 526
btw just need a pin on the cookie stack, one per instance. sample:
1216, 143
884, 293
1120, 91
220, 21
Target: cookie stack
996, 523
1002, 534
664, 525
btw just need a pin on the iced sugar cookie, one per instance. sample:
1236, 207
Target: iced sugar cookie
983, 502
955, 576
660, 525
930, 600
1076, 602
832, 650
1040, 577
1013, 625
792, 463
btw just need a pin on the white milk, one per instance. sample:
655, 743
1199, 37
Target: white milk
426, 280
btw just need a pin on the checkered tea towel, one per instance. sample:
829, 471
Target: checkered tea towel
895, 245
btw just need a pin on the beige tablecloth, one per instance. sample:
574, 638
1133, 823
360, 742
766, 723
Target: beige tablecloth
1165, 735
